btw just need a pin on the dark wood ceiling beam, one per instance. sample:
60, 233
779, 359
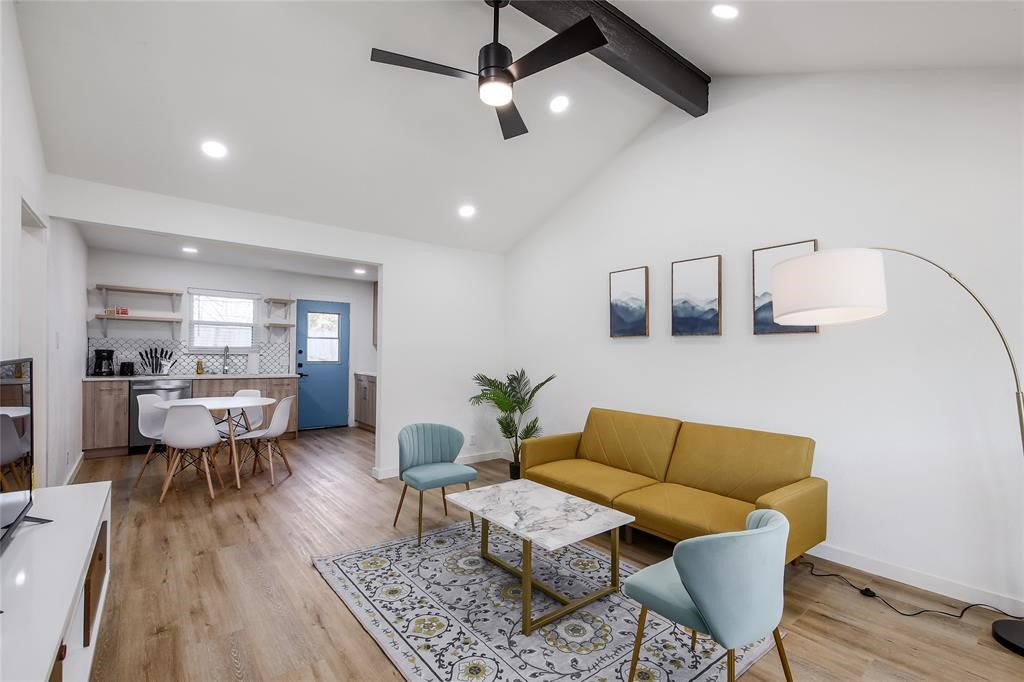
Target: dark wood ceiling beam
631, 49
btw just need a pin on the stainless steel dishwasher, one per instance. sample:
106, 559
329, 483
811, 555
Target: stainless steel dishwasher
167, 389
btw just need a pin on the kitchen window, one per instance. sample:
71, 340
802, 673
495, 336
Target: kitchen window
222, 318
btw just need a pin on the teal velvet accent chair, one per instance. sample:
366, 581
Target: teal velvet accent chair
426, 460
728, 586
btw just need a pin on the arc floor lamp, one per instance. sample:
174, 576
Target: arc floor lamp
847, 285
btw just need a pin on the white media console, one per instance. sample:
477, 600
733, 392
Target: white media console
53, 582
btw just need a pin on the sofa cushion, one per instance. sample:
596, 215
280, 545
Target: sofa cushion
678, 512
738, 463
590, 480
639, 443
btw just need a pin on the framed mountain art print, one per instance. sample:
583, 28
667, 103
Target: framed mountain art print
629, 302
763, 261
697, 297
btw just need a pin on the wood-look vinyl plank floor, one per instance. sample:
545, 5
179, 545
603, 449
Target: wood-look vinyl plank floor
224, 589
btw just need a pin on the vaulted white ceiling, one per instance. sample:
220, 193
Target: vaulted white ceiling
125, 93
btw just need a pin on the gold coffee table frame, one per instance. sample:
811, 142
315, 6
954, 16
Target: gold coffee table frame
526, 574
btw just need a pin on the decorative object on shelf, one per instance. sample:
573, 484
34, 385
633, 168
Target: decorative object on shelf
513, 398
629, 305
847, 285
697, 297
110, 311
764, 260
121, 311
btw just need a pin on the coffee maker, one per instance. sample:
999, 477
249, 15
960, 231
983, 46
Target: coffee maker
103, 364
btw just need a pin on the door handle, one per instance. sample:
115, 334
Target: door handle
302, 374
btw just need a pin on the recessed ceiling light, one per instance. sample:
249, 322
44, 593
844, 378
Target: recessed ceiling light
725, 11
559, 103
190, 249
359, 271
214, 149
467, 210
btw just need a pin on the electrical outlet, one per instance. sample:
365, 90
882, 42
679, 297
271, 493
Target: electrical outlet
472, 439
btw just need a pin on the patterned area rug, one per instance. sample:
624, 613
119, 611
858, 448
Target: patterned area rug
440, 612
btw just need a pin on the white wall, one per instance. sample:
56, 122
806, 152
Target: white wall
22, 174
66, 294
132, 269
441, 319
913, 413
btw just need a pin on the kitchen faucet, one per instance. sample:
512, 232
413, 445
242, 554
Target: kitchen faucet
224, 361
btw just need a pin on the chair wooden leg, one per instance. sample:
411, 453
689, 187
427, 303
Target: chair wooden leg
270, 458
213, 465
400, 501
472, 519
782, 655
419, 523
175, 460
730, 665
144, 463
444, 501
636, 645
205, 455
693, 639
284, 457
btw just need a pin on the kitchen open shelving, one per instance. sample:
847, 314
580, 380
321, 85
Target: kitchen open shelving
174, 295
173, 320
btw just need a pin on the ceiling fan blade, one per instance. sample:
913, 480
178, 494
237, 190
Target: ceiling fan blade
581, 37
511, 122
395, 59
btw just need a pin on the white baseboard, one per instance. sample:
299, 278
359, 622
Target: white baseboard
919, 579
74, 470
391, 472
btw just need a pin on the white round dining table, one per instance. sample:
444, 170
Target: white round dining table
222, 403
15, 411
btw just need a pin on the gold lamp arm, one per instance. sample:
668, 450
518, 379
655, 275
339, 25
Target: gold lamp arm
988, 313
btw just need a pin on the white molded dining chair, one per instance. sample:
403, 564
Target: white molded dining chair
187, 429
151, 425
270, 438
253, 414
12, 449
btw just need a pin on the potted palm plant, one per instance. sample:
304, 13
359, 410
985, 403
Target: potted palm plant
513, 398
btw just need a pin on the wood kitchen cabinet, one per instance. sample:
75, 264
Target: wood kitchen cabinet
366, 401
104, 414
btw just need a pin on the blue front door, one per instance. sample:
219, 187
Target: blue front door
321, 359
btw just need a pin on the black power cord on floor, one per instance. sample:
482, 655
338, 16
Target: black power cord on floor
868, 592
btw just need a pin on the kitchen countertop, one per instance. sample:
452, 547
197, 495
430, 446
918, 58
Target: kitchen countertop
148, 377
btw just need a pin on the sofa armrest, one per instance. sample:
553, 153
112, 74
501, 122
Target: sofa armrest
805, 504
549, 449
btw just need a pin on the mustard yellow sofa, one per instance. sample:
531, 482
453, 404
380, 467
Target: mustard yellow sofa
683, 479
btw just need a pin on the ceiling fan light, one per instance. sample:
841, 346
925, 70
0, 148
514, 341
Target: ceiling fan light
495, 91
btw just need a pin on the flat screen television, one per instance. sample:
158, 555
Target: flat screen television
16, 445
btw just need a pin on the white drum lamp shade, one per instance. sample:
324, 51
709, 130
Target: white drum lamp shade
829, 287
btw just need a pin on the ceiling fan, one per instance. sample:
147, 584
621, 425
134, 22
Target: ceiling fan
497, 72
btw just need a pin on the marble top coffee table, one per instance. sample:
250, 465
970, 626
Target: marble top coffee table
551, 519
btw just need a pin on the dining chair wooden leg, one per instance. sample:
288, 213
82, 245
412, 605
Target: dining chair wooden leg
255, 456
636, 645
693, 639
216, 470
400, 501
782, 655
144, 463
419, 523
270, 459
472, 519
284, 458
176, 458
205, 455
444, 501
730, 665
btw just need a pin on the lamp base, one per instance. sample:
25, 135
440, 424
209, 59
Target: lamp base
1010, 633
